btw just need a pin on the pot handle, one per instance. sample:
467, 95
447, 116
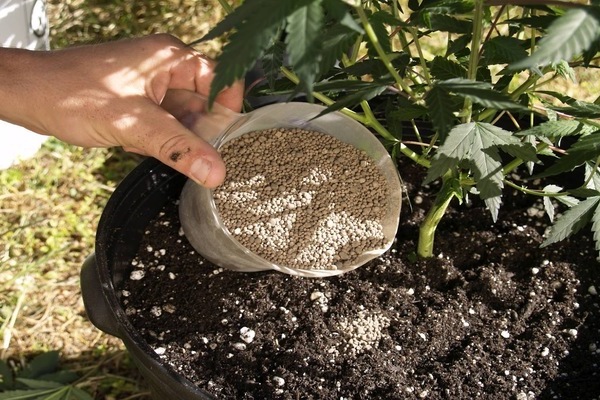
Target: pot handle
96, 307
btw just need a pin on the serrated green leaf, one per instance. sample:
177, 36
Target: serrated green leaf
62, 376
572, 220
568, 36
336, 41
549, 208
505, 140
26, 394
563, 69
480, 93
78, 394
378, 24
576, 108
405, 110
503, 50
247, 10
559, 129
487, 171
239, 56
346, 86
592, 176
388, 19
455, 148
439, 103
439, 166
446, 23
39, 384
303, 42
540, 22
584, 192
447, 7
585, 149
340, 12
353, 99
41, 364
272, 61
443, 69
458, 45
254, 33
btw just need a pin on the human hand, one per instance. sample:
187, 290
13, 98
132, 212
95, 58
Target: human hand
110, 95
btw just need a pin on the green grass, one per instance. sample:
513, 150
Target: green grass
51, 205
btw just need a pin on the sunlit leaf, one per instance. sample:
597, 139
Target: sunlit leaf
559, 129
572, 220
568, 36
487, 170
505, 140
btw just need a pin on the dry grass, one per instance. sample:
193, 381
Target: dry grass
51, 204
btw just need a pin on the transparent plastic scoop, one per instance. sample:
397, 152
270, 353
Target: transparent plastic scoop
200, 219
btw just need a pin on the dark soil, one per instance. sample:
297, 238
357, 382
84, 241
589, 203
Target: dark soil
493, 316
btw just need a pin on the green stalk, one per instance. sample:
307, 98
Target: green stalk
424, 66
382, 55
433, 218
474, 58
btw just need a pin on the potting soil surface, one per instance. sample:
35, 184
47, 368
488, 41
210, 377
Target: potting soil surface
492, 316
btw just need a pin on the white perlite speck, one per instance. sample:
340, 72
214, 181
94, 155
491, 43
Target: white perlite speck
136, 275
247, 334
302, 199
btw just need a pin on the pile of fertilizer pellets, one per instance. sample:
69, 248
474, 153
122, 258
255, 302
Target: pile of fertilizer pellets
301, 199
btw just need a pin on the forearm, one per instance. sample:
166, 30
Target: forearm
20, 91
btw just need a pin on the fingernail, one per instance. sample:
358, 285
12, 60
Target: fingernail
200, 170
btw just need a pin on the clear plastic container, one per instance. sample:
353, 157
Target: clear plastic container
200, 217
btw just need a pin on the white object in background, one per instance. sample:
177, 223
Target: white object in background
23, 24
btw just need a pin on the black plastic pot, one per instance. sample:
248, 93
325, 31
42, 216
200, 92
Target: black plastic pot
137, 200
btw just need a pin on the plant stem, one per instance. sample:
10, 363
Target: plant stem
424, 66
433, 218
474, 58
380, 52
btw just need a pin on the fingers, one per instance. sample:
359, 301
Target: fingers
161, 136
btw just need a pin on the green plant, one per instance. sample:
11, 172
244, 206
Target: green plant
464, 67
41, 378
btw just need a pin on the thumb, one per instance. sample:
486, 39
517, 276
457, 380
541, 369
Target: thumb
163, 137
